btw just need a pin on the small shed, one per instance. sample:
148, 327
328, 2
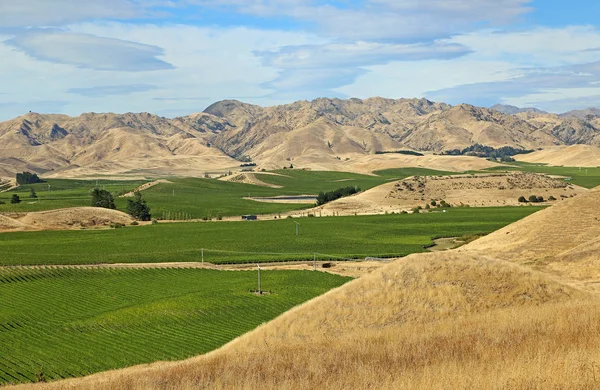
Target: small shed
249, 217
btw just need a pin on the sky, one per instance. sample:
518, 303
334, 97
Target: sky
176, 57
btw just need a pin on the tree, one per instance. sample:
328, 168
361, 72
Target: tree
138, 208
15, 199
533, 199
32, 193
102, 198
522, 199
27, 178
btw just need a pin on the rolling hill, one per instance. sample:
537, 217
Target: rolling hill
493, 314
321, 134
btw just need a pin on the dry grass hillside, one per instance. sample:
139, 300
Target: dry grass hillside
477, 190
63, 219
562, 240
460, 319
569, 156
320, 134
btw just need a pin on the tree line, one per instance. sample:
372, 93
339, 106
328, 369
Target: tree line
478, 150
326, 197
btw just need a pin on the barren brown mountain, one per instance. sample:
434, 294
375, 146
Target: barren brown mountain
468, 318
321, 134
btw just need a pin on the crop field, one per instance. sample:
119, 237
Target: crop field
584, 177
195, 198
251, 241
60, 193
202, 198
59, 323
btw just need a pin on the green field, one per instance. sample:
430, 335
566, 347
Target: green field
584, 177
194, 198
200, 198
251, 241
58, 323
60, 193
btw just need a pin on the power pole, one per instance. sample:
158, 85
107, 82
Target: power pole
259, 290
315, 260
202, 255
297, 224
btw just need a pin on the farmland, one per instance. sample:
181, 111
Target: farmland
237, 242
61, 193
200, 198
58, 323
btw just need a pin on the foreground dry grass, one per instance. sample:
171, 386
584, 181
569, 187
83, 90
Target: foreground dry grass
440, 321
450, 320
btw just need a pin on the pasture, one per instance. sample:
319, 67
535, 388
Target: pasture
59, 323
251, 241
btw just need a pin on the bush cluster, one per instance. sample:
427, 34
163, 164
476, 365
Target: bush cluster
532, 199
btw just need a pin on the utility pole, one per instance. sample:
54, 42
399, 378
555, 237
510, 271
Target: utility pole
202, 255
259, 290
315, 260
297, 224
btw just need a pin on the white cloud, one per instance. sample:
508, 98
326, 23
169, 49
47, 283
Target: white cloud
357, 54
384, 19
207, 62
89, 51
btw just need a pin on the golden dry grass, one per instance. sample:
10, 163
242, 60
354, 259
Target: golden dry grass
64, 219
481, 190
460, 319
569, 156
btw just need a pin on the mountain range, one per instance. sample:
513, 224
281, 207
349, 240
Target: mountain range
228, 133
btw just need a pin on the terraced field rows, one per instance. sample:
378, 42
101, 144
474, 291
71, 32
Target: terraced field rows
59, 323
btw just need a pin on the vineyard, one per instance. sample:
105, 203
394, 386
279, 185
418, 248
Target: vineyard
67, 322
252, 241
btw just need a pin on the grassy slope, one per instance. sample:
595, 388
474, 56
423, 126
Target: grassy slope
383, 235
69, 322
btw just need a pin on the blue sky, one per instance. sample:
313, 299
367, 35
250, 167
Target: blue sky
175, 57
